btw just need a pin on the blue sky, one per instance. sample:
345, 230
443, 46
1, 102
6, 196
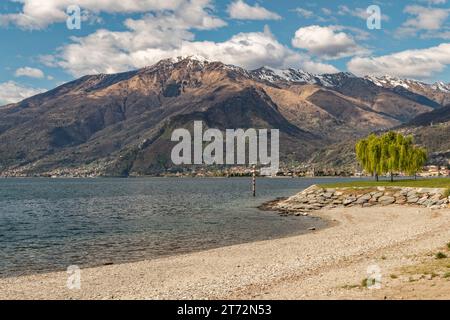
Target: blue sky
40, 52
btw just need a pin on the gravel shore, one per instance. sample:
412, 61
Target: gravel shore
324, 264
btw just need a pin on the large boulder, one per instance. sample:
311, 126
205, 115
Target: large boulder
412, 199
363, 199
386, 200
348, 201
376, 195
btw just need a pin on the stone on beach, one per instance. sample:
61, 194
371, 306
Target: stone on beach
363, 199
385, 200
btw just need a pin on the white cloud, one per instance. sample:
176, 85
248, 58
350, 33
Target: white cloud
326, 11
419, 63
318, 67
169, 33
426, 18
426, 21
303, 12
11, 92
242, 11
29, 72
148, 41
358, 12
155, 36
38, 14
327, 42
436, 35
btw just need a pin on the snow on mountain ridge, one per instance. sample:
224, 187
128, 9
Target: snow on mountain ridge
392, 82
274, 75
441, 86
290, 75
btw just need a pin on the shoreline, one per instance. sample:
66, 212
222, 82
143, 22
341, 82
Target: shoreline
265, 206
327, 263
188, 177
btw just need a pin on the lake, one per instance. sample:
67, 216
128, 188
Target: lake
49, 224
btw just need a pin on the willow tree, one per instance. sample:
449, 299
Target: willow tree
417, 159
389, 153
368, 152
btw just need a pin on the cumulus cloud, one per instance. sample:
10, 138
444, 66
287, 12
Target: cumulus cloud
318, 67
169, 33
29, 72
327, 42
428, 20
156, 35
11, 92
419, 64
38, 14
243, 11
109, 52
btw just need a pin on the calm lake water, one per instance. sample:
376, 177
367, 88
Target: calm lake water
49, 224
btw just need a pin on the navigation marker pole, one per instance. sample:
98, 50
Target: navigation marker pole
254, 181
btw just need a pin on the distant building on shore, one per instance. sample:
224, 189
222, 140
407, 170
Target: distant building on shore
434, 171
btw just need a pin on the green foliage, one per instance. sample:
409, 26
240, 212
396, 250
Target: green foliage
440, 255
447, 194
389, 153
419, 183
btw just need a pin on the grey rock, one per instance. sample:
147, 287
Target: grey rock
422, 200
412, 193
412, 199
349, 200
430, 203
376, 195
363, 199
386, 200
404, 192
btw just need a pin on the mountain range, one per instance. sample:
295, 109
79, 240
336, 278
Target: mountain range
121, 124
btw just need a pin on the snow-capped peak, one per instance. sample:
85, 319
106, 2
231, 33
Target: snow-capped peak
441, 86
334, 79
392, 82
290, 75
193, 57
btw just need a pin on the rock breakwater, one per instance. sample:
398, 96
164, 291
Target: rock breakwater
316, 198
